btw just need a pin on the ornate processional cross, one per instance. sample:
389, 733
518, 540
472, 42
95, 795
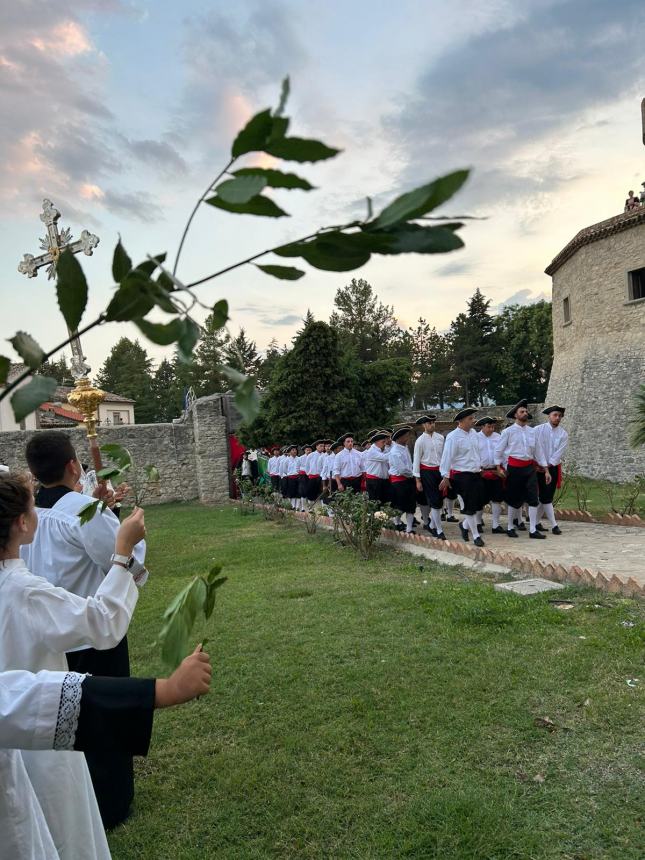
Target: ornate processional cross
84, 396
53, 245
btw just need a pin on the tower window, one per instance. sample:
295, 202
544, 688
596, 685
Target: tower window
566, 309
636, 284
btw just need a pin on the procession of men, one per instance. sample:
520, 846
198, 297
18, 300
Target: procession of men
473, 465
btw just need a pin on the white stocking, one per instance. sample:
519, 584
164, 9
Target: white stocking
294, 503
425, 513
409, 519
513, 514
550, 515
436, 520
497, 512
533, 519
480, 517
450, 506
471, 520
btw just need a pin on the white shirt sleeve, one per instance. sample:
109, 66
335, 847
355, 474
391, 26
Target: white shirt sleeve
446, 458
416, 461
560, 449
29, 706
500, 448
98, 537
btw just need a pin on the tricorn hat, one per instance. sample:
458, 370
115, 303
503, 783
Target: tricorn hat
290, 448
344, 436
338, 443
401, 431
485, 420
511, 412
464, 413
426, 419
320, 442
378, 435
550, 409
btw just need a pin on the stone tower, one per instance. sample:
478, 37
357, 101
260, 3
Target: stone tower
599, 343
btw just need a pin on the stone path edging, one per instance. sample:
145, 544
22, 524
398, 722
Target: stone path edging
607, 519
572, 574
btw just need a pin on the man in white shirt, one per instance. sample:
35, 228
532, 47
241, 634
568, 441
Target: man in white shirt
492, 486
461, 469
402, 484
282, 471
554, 440
314, 468
375, 465
348, 466
521, 447
428, 450
273, 469
302, 477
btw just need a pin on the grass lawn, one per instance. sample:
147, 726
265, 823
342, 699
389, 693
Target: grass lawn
384, 709
594, 491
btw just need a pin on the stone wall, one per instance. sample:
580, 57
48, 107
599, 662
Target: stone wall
191, 456
599, 356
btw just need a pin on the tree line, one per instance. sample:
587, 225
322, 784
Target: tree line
360, 367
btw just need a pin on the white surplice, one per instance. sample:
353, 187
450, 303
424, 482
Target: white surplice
38, 623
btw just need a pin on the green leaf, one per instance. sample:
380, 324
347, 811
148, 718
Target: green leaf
118, 454
246, 395
188, 337
28, 398
148, 266
133, 299
425, 240
279, 129
241, 189
284, 95
71, 289
121, 263
108, 473
220, 314
285, 273
259, 205
5, 365
87, 512
180, 618
28, 349
254, 134
300, 149
211, 593
331, 252
416, 203
160, 333
276, 178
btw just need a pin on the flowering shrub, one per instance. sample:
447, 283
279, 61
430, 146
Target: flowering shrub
358, 520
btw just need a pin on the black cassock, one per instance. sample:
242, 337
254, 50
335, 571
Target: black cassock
112, 771
116, 715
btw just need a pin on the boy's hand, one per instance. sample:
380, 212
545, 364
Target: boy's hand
131, 531
192, 678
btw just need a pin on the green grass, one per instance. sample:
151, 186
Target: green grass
594, 491
380, 710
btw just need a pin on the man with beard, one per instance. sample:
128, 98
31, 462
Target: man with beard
554, 440
520, 445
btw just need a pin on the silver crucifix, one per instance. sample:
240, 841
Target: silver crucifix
53, 244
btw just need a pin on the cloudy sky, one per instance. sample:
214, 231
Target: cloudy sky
121, 111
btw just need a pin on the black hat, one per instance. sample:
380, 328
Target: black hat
290, 448
275, 448
308, 445
338, 443
511, 412
550, 409
342, 438
378, 435
401, 431
365, 443
485, 420
426, 419
319, 442
464, 413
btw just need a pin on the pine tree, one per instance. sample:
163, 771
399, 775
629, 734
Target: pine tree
268, 364
524, 354
167, 393
128, 371
432, 373
205, 373
364, 323
58, 370
241, 354
473, 349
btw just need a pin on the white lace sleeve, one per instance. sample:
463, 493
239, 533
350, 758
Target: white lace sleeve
68, 711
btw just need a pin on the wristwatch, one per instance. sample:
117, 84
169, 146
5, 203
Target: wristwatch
125, 561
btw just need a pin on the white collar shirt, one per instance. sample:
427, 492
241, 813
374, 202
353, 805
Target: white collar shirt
400, 462
487, 448
521, 443
376, 462
428, 449
348, 464
460, 452
554, 441
291, 466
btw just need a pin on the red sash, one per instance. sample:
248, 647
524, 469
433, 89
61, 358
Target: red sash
490, 475
558, 481
313, 476
373, 477
513, 461
429, 468
397, 479
291, 477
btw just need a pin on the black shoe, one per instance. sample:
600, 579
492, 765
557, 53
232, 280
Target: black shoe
452, 519
441, 536
537, 536
498, 530
511, 533
540, 527
416, 522
479, 542
481, 525
464, 532
411, 532
556, 530
399, 527
522, 527
481, 528
428, 527
443, 516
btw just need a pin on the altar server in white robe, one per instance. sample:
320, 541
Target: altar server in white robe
100, 713
38, 624
77, 557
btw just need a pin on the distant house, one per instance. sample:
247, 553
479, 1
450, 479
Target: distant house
115, 410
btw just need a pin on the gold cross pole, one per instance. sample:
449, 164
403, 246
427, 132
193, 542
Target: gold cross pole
85, 398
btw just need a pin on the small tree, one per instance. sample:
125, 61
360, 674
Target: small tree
242, 355
128, 371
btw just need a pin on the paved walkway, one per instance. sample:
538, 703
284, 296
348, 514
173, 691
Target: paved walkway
618, 550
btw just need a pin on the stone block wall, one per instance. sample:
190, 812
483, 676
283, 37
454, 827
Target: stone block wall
192, 456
